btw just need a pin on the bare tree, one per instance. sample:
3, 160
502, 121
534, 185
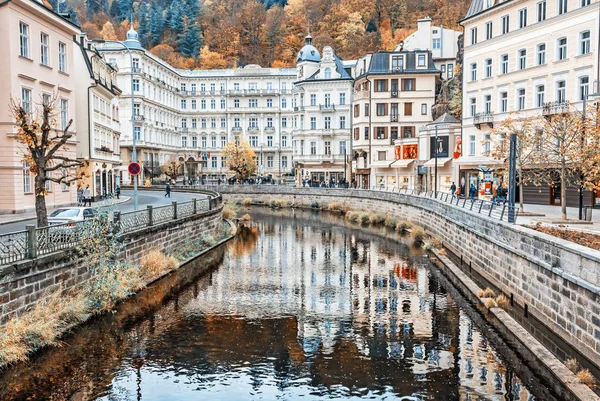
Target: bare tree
526, 157
44, 143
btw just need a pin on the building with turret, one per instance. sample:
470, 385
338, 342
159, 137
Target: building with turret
190, 115
322, 98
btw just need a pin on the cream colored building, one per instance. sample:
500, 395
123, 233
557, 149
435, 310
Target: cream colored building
38, 64
442, 42
533, 57
322, 104
192, 114
99, 126
393, 96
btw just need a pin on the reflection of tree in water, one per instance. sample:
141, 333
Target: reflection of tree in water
245, 241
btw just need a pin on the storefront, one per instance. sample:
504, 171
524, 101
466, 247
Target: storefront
103, 179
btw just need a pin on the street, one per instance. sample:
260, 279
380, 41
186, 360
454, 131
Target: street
145, 198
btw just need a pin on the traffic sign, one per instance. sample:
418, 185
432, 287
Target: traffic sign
134, 168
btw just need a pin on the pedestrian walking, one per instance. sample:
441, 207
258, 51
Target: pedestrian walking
453, 189
472, 191
118, 192
168, 191
79, 196
87, 196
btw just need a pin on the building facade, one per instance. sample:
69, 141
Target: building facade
393, 96
442, 42
99, 126
322, 98
38, 66
532, 57
191, 114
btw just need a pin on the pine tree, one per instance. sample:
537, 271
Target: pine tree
92, 8
192, 8
157, 26
144, 26
126, 8
115, 10
189, 40
176, 17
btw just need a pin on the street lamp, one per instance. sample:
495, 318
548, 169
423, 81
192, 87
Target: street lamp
585, 98
133, 149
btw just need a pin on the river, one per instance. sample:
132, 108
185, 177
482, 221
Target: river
300, 305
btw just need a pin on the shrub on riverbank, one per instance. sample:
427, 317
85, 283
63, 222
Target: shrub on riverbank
418, 235
338, 207
247, 202
230, 210
277, 203
403, 226
376, 219
155, 263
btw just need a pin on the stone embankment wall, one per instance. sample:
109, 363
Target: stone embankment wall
24, 283
556, 280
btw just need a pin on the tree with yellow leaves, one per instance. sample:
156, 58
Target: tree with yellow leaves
239, 158
172, 167
44, 142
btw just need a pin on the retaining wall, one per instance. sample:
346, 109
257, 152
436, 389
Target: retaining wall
558, 281
24, 283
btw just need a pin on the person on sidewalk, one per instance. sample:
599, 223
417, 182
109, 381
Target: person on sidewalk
79, 196
453, 189
168, 191
87, 196
118, 192
472, 191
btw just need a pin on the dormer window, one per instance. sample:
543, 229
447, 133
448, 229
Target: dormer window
327, 73
397, 63
421, 60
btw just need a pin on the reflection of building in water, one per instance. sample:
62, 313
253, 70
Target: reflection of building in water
392, 298
481, 373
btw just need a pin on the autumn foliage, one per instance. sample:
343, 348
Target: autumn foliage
232, 33
239, 158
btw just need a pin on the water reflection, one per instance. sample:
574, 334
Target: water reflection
299, 308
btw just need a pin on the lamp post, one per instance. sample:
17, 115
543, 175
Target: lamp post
512, 177
133, 149
582, 177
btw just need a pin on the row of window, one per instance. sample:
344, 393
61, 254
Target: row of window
539, 99
539, 59
45, 46
28, 180
326, 97
27, 104
540, 8
312, 150
386, 132
382, 109
212, 87
223, 141
406, 84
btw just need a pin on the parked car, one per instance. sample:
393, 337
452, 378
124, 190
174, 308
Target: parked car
68, 215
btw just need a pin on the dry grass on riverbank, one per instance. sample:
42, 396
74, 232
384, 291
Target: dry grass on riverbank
586, 239
230, 210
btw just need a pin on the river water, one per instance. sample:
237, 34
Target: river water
298, 306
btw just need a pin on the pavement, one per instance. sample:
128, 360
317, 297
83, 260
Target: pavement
18, 222
552, 215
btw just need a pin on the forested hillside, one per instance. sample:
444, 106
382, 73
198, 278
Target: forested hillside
226, 33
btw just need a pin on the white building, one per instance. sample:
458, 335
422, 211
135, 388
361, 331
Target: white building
393, 96
442, 42
192, 114
322, 104
98, 123
528, 57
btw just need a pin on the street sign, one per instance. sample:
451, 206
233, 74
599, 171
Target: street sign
134, 168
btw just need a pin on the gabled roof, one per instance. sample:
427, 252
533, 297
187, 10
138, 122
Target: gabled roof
446, 119
339, 67
380, 63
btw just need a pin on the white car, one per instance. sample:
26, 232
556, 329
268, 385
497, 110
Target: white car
68, 215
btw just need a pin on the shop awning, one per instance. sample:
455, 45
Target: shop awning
441, 161
475, 160
402, 163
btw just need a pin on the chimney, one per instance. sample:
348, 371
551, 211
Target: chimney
424, 24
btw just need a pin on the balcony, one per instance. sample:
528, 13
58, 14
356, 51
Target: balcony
184, 129
253, 92
394, 93
236, 129
557, 107
327, 107
394, 118
104, 149
138, 118
269, 129
361, 95
486, 117
299, 108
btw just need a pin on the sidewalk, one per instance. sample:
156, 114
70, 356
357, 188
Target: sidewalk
553, 214
16, 218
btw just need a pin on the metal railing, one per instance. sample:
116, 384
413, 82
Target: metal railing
34, 242
495, 209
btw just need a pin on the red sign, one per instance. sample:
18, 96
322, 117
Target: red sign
134, 168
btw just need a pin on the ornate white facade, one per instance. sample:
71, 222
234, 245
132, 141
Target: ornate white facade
322, 102
192, 114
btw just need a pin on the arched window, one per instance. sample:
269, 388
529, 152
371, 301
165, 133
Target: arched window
327, 73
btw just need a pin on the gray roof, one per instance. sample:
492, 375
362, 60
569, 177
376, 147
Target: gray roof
308, 52
339, 67
380, 63
478, 6
446, 118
